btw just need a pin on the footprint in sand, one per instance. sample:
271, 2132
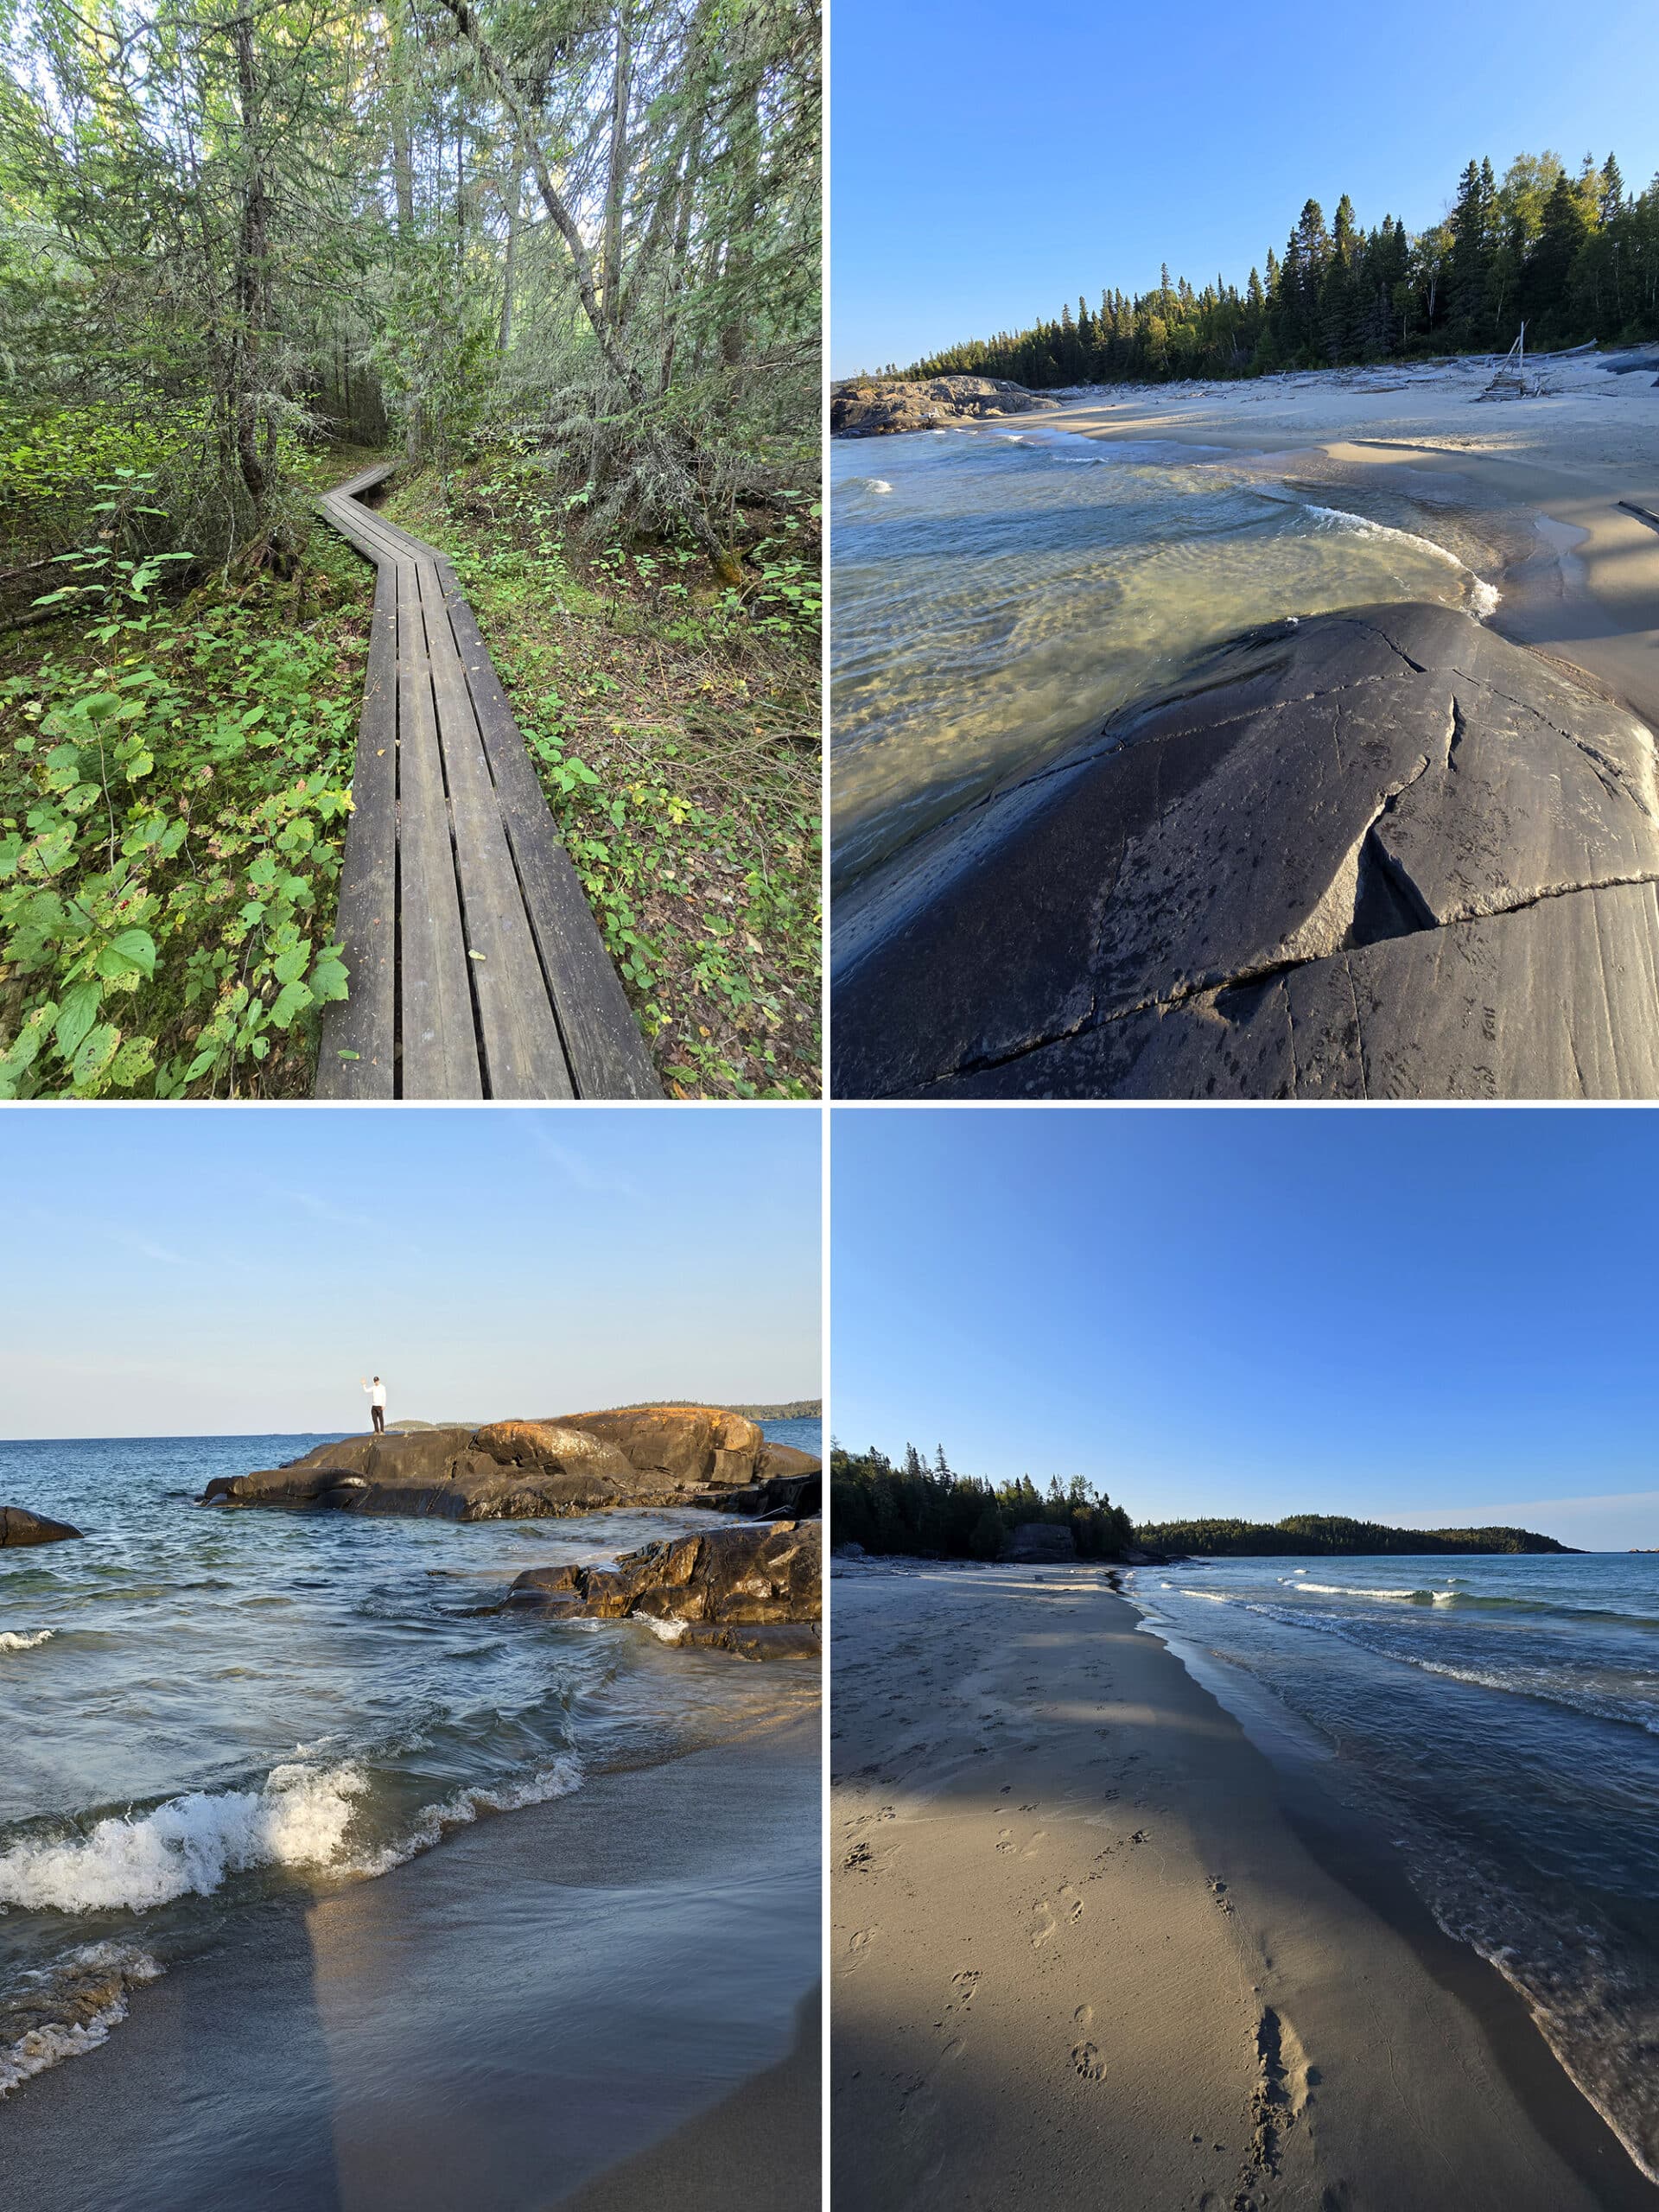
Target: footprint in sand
1005, 1839
1035, 1844
1086, 2058
1071, 1903
1083, 2017
859, 1942
1043, 1924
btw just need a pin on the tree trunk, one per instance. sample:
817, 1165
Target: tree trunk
621, 92
515, 203
251, 290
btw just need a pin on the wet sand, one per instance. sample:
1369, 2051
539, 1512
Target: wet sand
1090, 1946
1582, 584
499, 2024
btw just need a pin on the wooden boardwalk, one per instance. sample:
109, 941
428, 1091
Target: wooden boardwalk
477, 968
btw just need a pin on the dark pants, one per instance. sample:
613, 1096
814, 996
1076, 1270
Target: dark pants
379, 1413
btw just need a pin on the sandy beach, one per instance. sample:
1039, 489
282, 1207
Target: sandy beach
1091, 1945
606, 1991
1530, 488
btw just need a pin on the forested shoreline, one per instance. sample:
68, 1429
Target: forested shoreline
929, 1510
925, 1509
1320, 1536
562, 263
1576, 256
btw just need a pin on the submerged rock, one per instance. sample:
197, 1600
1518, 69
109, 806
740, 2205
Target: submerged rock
872, 407
1382, 853
19, 1526
758, 1592
513, 1470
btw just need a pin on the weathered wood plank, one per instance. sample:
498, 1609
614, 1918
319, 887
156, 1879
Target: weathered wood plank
608, 1056
435, 1018
524, 1054
356, 1056
478, 866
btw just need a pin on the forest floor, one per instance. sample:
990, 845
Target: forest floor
676, 730
173, 806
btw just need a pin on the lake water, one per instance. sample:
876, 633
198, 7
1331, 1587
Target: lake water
1501, 1717
207, 1711
998, 592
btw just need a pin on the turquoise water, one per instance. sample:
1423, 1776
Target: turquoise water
1501, 1716
206, 1710
996, 593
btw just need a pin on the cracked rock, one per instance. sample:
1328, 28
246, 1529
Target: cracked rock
1379, 853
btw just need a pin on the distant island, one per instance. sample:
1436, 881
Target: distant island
1562, 251
1321, 1535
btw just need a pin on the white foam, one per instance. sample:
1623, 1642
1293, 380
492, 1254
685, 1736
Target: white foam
1486, 596
14, 1639
665, 1632
556, 1780
188, 1845
50, 2045
1347, 1590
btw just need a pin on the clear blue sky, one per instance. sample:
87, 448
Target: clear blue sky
233, 1270
989, 165
1421, 1316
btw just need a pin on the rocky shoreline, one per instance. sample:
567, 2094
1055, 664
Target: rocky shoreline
740, 1590
537, 1469
878, 407
1379, 853
756, 1591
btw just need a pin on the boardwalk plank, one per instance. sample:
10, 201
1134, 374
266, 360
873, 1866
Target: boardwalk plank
608, 1056
438, 1034
459, 822
356, 1052
524, 1054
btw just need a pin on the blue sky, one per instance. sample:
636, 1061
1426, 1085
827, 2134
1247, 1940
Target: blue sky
986, 166
189, 1271
1418, 1316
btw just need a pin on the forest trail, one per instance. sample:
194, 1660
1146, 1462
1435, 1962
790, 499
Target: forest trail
477, 968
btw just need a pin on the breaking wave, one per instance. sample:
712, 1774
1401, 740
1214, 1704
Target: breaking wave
187, 1846
14, 1639
71, 2011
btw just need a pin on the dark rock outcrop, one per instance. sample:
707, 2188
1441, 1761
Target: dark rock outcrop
1382, 854
514, 1470
1035, 1541
873, 406
758, 1592
19, 1526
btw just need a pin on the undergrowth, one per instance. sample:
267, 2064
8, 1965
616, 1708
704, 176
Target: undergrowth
174, 788
674, 726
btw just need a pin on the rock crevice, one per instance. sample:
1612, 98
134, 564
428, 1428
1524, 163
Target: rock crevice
1364, 855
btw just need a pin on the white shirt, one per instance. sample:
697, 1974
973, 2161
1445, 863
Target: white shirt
376, 1393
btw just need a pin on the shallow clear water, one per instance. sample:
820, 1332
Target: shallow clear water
204, 1709
997, 594
1501, 1715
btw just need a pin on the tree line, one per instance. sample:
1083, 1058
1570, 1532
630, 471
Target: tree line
1576, 256
227, 227
1316, 1536
928, 1509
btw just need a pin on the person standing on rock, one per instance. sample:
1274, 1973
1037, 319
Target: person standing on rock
376, 1391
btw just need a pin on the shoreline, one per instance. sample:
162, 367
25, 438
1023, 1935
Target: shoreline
502, 2021
1577, 577
1072, 1888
